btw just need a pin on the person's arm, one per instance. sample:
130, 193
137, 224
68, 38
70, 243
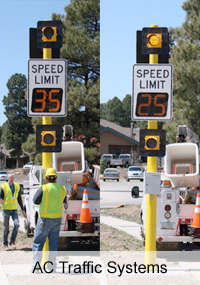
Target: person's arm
65, 202
1, 196
37, 199
1, 193
19, 200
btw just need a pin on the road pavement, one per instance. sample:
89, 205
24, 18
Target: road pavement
114, 193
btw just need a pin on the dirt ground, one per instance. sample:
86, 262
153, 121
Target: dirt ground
124, 212
112, 239
22, 242
20, 174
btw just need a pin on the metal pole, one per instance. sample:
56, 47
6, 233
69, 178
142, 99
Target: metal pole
5, 155
46, 157
150, 236
132, 143
1, 156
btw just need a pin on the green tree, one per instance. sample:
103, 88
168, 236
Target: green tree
30, 147
103, 110
82, 40
18, 125
81, 48
103, 166
117, 111
126, 104
92, 155
185, 58
114, 111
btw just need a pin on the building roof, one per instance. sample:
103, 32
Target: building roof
120, 131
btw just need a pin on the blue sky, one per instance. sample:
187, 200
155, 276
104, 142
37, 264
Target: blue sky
16, 18
120, 19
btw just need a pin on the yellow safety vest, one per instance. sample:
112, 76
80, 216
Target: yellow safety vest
10, 201
51, 205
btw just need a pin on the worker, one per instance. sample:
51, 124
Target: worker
50, 197
9, 196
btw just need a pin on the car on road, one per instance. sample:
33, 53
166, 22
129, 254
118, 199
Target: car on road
3, 175
28, 165
111, 173
134, 173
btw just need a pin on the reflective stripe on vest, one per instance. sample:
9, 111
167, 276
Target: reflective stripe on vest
10, 201
48, 208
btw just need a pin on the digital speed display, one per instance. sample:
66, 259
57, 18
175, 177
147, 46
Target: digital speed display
47, 88
152, 92
151, 104
46, 100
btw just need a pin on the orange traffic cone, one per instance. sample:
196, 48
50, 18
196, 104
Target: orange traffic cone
85, 224
196, 219
85, 210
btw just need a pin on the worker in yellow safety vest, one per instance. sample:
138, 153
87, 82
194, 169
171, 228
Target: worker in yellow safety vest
10, 196
50, 198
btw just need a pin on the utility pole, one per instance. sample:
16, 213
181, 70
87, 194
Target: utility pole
132, 160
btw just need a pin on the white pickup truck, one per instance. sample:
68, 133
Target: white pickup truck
69, 164
108, 158
124, 160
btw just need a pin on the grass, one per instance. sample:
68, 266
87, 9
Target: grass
128, 213
112, 239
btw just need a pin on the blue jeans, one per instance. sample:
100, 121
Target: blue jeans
46, 228
6, 218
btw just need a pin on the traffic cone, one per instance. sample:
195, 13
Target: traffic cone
85, 210
85, 224
196, 219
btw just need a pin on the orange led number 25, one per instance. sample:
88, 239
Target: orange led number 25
155, 103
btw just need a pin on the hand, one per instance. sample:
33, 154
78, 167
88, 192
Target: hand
24, 214
2, 201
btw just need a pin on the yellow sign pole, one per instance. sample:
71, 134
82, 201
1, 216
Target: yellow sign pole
150, 236
46, 157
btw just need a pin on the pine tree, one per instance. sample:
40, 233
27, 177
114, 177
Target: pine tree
81, 48
18, 125
185, 58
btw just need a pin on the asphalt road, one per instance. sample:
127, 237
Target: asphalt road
114, 193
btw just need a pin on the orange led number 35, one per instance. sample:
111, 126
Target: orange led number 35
46, 100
